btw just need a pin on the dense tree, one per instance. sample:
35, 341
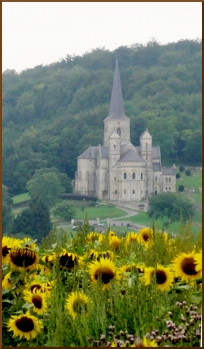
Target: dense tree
7, 205
34, 221
47, 185
65, 211
170, 206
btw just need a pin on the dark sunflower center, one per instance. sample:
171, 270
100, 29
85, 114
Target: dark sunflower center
23, 257
145, 237
37, 301
67, 261
105, 274
188, 266
79, 305
32, 288
5, 250
161, 277
25, 324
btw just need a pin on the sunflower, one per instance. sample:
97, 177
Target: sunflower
104, 270
131, 237
77, 303
111, 233
68, 260
24, 325
145, 343
198, 260
28, 242
185, 266
145, 235
93, 236
131, 268
115, 242
7, 244
38, 299
6, 283
23, 259
163, 277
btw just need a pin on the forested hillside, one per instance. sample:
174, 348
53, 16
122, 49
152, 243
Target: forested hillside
52, 113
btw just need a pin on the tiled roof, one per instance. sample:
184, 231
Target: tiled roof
156, 166
131, 156
168, 171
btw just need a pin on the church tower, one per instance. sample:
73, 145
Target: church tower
116, 121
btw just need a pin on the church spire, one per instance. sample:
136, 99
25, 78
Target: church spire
116, 110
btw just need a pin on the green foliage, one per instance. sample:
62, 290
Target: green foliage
43, 107
188, 173
65, 210
182, 168
33, 221
6, 210
170, 205
48, 184
181, 187
178, 175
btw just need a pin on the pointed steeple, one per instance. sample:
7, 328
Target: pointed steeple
116, 110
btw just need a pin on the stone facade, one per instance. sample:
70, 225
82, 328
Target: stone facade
119, 171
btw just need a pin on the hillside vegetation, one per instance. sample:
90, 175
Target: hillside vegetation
52, 113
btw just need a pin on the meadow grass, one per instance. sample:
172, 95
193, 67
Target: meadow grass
21, 198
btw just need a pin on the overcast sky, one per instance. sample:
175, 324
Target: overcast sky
37, 33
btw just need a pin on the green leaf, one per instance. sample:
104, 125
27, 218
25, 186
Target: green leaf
27, 305
54, 245
196, 300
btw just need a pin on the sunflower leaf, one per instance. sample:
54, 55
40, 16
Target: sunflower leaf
27, 305
54, 245
132, 255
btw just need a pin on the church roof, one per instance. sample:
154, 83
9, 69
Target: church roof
104, 151
155, 153
146, 134
168, 171
131, 156
116, 110
156, 166
89, 153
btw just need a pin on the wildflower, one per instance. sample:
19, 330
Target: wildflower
38, 299
185, 266
24, 325
23, 259
104, 270
77, 303
164, 277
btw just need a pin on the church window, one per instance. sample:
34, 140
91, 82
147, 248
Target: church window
169, 179
141, 191
124, 191
133, 191
166, 179
155, 178
169, 188
166, 188
114, 146
116, 191
133, 175
119, 131
146, 145
124, 175
141, 175
115, 179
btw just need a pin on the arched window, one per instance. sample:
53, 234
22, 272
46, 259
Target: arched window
124, 175
119, 131
133, 175
141, 175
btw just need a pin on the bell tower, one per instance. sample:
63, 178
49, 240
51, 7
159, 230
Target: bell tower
116, 121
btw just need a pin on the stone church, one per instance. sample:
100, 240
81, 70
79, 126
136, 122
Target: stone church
119, 171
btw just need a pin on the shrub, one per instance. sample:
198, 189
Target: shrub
181, 168
188, 173
178, 175
78, 197
181, 187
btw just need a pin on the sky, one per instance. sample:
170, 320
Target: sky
35, 33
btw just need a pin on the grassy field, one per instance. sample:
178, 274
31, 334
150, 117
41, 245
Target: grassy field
192, 182
20, 198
